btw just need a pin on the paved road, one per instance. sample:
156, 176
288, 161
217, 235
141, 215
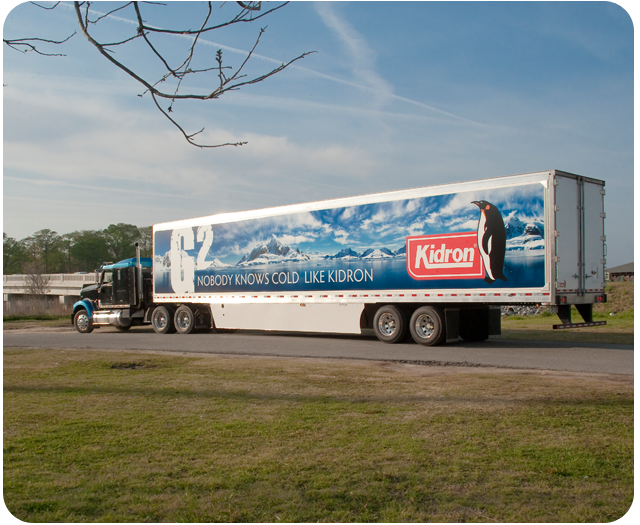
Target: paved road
578, 357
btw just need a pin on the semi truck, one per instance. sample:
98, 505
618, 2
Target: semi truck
436, 262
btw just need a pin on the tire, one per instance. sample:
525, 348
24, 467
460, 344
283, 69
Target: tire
83, 322
162, 320
123, 328
184, 320
427, 326
390, 324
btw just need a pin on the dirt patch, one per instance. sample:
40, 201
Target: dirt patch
35, 328
424, 371
132, 366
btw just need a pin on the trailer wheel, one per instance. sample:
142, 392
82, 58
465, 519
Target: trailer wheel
390, 324
162, 320
184, 320
427, 326
83, 322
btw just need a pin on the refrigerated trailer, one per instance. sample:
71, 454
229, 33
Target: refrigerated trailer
435, 262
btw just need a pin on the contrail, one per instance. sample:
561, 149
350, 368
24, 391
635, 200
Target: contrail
303, 70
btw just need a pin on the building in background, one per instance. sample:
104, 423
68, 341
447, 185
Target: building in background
623, 272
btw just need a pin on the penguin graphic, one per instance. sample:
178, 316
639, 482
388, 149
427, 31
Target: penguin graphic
492, 240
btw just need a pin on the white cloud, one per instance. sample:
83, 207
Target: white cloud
76, 145
341, 236
287, 240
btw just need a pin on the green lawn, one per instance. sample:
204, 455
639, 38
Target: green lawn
108, 436
618, 330
617, 312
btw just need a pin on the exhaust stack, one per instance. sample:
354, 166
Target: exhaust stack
139, 275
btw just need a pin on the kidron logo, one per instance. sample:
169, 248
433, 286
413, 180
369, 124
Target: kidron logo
444, 256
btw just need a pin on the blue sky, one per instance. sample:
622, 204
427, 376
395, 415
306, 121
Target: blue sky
397, 95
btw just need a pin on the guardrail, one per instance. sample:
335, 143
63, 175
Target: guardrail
60, 284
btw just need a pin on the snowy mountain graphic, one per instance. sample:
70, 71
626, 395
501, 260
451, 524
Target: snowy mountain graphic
275, 252
513, 226
163, 261
272, 252
524, 239
346, 253
378, 253
215, 264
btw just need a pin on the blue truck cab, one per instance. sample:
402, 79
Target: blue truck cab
121, 297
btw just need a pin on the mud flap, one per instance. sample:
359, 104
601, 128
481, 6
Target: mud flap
495, 318
452, 324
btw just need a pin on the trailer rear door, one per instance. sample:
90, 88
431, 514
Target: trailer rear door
579, 223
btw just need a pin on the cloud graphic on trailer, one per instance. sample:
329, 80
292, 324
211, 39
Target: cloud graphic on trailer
367, 225
385, 224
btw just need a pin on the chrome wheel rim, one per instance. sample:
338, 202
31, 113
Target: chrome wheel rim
160, 320
387, 324
425, 326
184, 319
82, 322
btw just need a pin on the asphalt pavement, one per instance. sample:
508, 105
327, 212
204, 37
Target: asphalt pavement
575, 357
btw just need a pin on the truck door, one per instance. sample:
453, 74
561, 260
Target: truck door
123, 286
580, 238
105, 292
594, 238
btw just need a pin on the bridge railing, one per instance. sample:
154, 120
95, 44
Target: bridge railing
60, 284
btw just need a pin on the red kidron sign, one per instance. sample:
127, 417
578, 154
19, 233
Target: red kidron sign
444, 256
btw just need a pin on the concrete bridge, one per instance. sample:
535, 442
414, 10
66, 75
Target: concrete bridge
66, 286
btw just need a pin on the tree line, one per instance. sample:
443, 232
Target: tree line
81, 251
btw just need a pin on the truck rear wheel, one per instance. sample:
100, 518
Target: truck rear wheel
162, 320
427, 326
390, 324
83, 322
184, 320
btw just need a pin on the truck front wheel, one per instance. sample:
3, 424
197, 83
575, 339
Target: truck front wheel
185, 320
390, 324
427, 326
162, 320
83, 322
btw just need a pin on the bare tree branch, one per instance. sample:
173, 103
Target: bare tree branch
239, 18
224, 83
167, 80
250, 6
189, 137
109, 13
45, 7
19, 43
37, 283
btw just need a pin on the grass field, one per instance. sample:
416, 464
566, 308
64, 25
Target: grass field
617, 312
117, 436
